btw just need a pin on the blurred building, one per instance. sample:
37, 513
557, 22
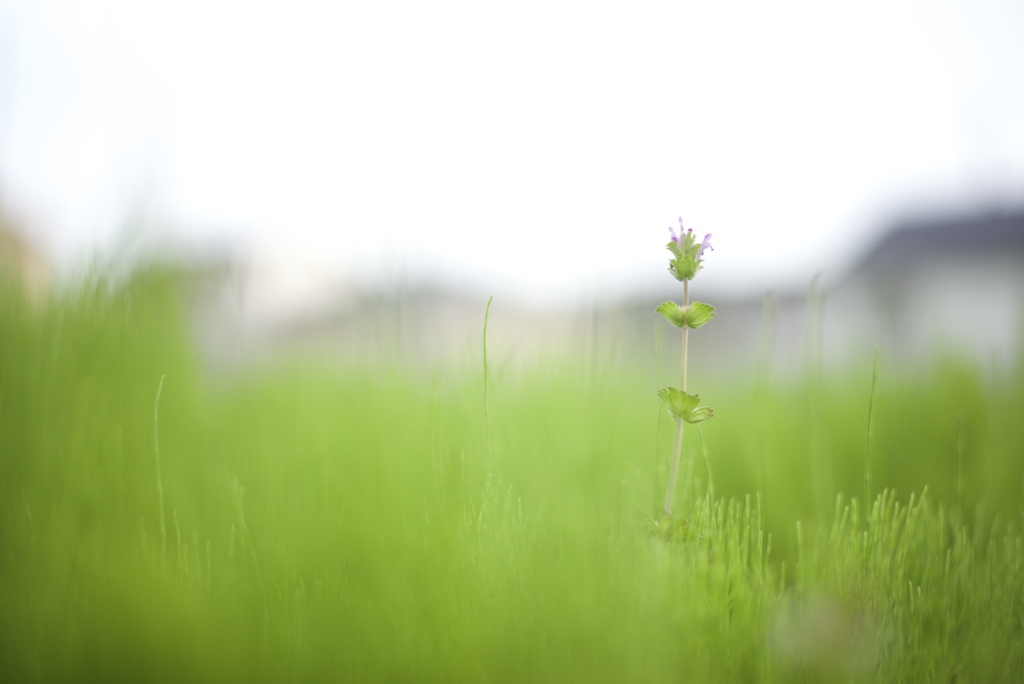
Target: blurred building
930, 285
952, 284
258, 310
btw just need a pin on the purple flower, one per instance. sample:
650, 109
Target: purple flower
705, 245
672, 232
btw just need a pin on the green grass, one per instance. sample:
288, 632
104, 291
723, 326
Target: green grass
342, 524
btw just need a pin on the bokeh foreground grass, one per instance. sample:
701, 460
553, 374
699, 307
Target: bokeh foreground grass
330, 524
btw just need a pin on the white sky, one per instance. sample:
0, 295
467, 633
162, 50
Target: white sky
534, 149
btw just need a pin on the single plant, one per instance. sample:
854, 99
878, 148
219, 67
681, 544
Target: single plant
686, 262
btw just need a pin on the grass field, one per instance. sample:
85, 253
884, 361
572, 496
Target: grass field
309, 522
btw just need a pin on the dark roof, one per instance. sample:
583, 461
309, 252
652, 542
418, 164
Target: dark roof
968, 236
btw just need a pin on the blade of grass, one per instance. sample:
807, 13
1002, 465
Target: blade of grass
867, 437
487, 405
156, 452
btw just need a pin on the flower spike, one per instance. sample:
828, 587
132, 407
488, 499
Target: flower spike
687, 252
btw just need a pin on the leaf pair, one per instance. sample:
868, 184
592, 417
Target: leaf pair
693, 316
685, 406
667, 528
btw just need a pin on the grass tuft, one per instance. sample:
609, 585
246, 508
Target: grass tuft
355, 523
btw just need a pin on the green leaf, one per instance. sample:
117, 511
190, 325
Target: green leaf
672, 529
699, 415
685, 406
680, 404
667, 528
697, 314
673, 313
693, 316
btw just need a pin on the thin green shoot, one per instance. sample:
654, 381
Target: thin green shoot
867, 437
959, 456
707, 465
156, 452
487, 404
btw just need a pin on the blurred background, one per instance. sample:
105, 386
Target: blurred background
359, 177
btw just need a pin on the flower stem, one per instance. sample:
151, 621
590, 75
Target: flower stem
677, 443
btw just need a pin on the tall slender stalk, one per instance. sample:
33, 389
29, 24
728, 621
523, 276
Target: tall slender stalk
677, 443
487, 405
156, 452
684, 407
707, 466
959, 454
867, 439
